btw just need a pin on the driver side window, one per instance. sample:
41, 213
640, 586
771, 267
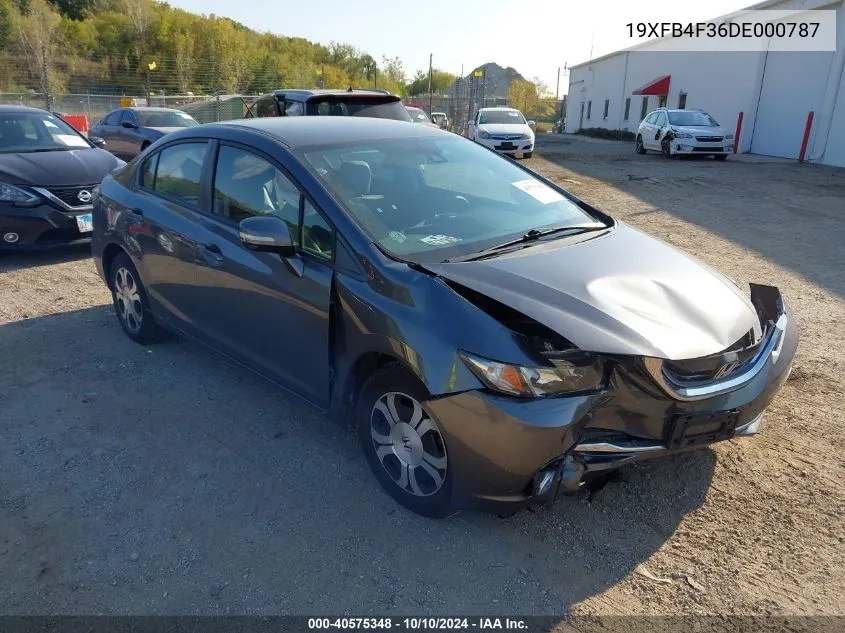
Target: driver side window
246, 185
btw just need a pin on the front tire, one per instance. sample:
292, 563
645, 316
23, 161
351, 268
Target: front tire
721, 156
403, 444
639, 147
666, 148
527, 154
130, 302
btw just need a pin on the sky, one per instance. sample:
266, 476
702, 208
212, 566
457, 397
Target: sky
536, 38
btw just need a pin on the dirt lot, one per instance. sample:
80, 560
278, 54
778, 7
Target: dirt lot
167, 481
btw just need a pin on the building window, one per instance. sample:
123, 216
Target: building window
589, 109
644, 109
627, 107
682, 101
662, 103
606, 107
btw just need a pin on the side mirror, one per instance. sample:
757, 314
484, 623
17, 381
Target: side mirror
532, 124
97, 141
266, 233
128, 124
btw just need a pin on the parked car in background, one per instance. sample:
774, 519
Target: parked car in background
129, 131
377, 104
48, 172
418, 115
683, 133
503, 129
440, 119
494, 340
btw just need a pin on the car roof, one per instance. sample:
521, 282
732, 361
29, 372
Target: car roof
504, 108
312, 131
21, 109
306, 94
149, 109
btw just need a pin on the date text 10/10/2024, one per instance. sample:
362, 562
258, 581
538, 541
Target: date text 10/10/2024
419, 624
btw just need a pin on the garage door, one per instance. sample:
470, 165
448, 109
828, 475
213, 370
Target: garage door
793, 85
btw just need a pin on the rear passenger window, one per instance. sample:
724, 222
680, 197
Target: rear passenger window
179, 171
265, 106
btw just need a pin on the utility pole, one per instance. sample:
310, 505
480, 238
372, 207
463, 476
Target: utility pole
430, 60
557, 90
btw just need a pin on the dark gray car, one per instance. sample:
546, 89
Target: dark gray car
129, 131
494, 340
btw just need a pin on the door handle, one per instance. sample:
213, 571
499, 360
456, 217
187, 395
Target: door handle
212, 254
213, 248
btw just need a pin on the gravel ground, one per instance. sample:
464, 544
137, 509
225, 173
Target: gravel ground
165, 480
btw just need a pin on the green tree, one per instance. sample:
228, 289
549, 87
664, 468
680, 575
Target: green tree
37, 33
440, 81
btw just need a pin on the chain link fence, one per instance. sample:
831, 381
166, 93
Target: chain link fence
204, 108
547, 113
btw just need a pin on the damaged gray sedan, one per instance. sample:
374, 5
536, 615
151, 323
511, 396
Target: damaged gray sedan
494, 340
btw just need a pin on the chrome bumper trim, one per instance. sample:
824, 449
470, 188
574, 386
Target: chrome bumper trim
609, 447
771, 349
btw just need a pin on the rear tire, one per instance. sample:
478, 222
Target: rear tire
666, 148
402, 442
130, 302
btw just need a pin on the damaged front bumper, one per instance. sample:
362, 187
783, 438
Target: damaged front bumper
506, 453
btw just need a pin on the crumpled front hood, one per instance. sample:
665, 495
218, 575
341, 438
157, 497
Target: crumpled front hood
623, 292
66, 168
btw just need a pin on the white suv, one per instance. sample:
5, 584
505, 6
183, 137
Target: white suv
683, 132
504, 130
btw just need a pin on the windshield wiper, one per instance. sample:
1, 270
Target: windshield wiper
530, 236
48, 149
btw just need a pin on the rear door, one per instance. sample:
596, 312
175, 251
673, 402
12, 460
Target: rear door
107, 130
128, 137
166, 227
269, 312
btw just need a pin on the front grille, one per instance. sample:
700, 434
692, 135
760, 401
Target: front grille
709, 139
506, 137
716, 367
70, 195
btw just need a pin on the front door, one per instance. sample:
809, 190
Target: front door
165, 225
266, 311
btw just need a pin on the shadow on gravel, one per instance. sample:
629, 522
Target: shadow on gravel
15, 260
791, 214
165, 480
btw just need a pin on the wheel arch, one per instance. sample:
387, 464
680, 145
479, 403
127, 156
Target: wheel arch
111, 251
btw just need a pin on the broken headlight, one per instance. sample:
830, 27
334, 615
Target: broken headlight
571, 373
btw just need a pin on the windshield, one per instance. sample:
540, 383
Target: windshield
429, 199
692, 119
37, 132
418, 116
172, 118
501, 116
357, 106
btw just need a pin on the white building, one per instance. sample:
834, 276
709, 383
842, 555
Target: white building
775, 91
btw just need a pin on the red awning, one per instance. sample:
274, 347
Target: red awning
658, 87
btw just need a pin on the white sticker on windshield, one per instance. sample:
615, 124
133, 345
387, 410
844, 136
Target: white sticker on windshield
440, 240
540, 192
514, 114
71, 141
49, 123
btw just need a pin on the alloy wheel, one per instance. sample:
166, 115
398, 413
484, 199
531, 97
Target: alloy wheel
408, 444
128, 300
